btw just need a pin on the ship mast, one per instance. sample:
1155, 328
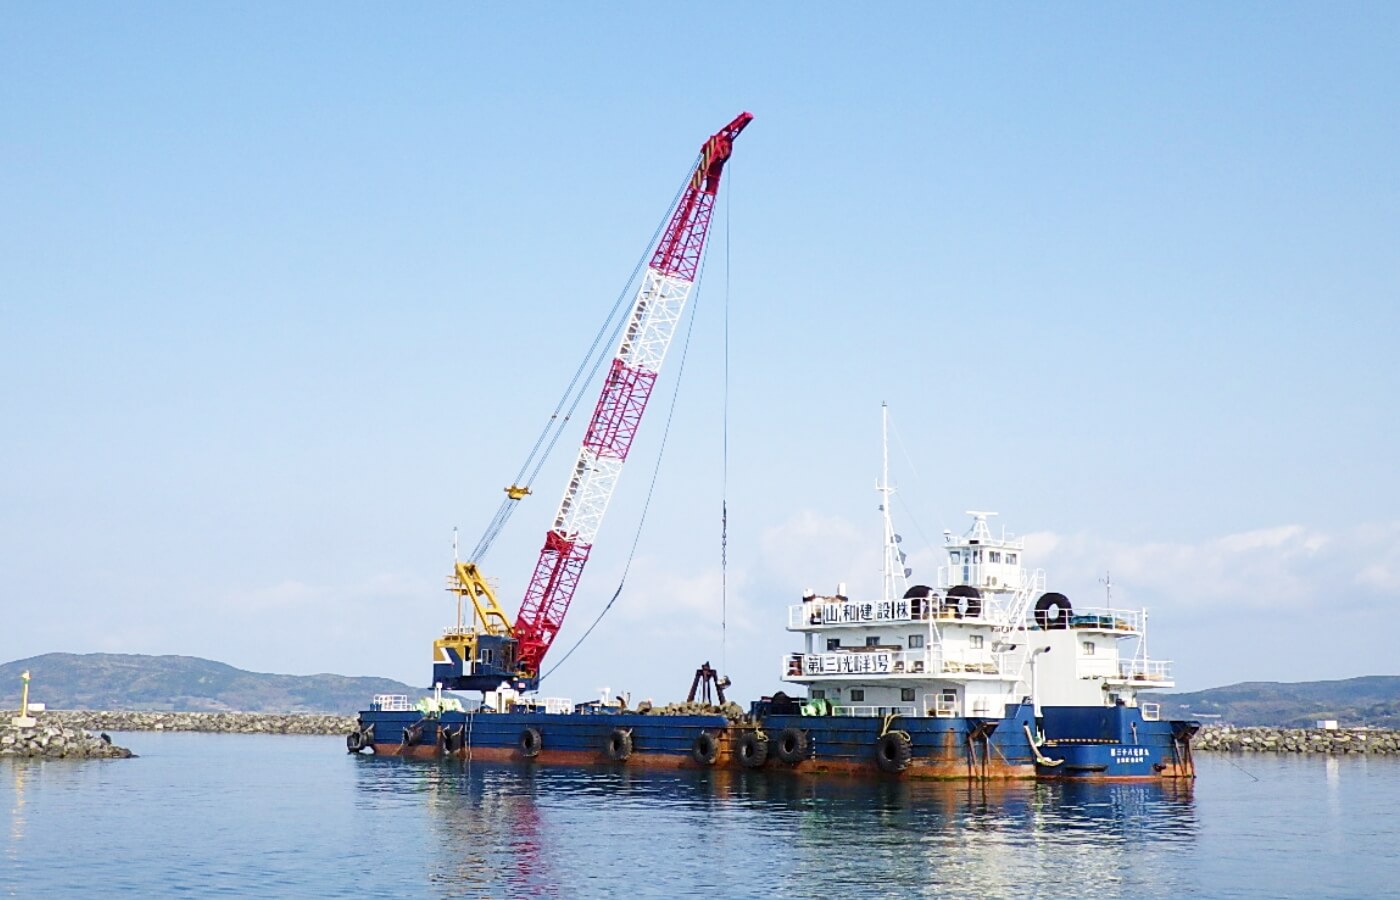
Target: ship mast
895, 572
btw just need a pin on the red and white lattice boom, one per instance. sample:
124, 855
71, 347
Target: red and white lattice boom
650, 326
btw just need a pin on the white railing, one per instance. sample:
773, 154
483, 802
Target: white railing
829, 612
1145, 670
939, 706
873, 711
390, 703
985, 575
967, 663
553, 705
1102, 618
811, 616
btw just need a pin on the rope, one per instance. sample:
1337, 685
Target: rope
1035, 749
1226, 757
574, 393
885, 728
651, 489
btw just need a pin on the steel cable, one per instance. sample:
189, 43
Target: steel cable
549, 435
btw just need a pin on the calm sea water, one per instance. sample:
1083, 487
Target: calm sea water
274, 816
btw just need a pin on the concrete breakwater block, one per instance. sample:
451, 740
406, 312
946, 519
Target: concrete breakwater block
50, 739
1230, 739
225, 722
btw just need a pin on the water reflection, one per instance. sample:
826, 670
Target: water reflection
556, 830
13, 848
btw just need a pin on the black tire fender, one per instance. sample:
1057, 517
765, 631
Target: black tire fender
619, 746
705, 749
1063, 610
531, 742
753, 750
894, 751
792, 746
964, 601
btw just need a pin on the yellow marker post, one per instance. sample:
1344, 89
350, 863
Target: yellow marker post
24, 720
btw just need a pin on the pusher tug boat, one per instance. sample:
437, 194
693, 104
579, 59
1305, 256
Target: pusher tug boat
985, 675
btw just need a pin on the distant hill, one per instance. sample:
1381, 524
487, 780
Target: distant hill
120, 681
1372, 700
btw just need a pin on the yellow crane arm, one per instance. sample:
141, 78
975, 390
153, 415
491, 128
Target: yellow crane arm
473, 585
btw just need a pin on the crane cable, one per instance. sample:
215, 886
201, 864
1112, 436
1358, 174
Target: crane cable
651, 489
574, 393
724, 476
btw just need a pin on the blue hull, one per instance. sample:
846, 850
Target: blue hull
1079, 743
1114, 743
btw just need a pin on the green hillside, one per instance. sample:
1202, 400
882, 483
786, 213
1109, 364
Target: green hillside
119, 681
1371, 700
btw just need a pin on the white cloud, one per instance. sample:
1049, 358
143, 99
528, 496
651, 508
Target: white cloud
1282, 569
817, 551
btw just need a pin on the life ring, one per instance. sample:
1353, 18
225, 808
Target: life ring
964, 601
893, 751
753, 750
354, 742
792, 746
705, 750
530, 742
619, 745
1059, 603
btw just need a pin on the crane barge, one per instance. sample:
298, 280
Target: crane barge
491, 651
955, 680
487, 652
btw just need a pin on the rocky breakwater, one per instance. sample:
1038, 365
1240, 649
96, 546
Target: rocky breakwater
225, 722
50, 738
1226, 738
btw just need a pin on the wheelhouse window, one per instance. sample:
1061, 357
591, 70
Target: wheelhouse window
818, 694
857, 695
1011, 559
906, 695
916, 641
975, 642
872, 642
955, 556
833, 643
994, 556
1088, 648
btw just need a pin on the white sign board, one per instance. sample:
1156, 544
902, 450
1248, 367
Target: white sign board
881, 611
847, 663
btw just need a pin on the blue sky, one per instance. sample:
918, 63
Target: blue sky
288, 291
